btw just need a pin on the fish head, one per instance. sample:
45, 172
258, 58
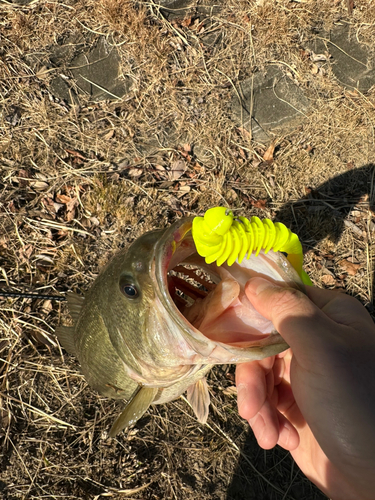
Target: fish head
110, 336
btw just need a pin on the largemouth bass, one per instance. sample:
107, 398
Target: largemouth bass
158, 317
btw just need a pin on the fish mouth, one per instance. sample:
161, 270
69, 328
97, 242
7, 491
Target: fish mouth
208, 302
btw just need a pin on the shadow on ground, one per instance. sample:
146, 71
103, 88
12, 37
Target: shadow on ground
322, 213
324, 210
282, 479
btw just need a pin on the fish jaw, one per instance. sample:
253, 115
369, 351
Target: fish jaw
176, 245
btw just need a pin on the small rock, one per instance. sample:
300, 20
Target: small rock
277, 103
93, 71
352, 62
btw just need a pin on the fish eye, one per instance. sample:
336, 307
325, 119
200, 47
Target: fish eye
129, 290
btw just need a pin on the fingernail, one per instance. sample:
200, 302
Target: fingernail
242, 395
258, 285
258, 425
286, 433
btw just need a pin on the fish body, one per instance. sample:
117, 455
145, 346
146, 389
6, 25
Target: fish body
144, 334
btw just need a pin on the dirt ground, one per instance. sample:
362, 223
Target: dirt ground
83, 176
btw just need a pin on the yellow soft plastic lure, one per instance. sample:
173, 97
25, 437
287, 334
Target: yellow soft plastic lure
220, 237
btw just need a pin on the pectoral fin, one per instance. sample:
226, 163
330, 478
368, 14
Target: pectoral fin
199, 398
135, 408
75, 303
65, 334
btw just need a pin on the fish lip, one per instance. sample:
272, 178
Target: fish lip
165, 249
208, 351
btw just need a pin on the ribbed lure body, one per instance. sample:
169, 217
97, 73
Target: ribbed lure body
220, 237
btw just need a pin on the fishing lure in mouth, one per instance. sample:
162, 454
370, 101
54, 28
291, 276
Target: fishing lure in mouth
221, 237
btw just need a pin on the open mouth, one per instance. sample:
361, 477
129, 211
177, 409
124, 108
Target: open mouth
209, 298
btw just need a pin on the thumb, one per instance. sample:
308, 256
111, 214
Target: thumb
298, 320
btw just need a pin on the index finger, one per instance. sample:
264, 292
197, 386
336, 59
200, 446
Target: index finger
298, 320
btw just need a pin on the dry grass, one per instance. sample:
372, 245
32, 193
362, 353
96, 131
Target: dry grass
78, 182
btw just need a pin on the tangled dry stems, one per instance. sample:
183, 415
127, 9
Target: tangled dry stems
80, 181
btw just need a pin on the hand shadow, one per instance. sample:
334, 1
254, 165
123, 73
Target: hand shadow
320, 214
324, 210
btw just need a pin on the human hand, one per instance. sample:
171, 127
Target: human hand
318, 398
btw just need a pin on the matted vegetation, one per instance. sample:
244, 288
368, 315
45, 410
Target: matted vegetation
80, 181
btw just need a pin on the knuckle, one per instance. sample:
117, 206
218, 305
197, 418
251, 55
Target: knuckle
288, 301
287, 297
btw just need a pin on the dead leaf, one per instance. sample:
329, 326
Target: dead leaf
86, 223
268, 155
95, 221
350, 4
186, 151
47, 306
186, 22
230, 391
62, 234
23, 177
48, 201
318, 57
322, 72
62, 198
109, 134
26, 252
354, 94
71, 209
42, 74
71, 214
259, 203
72, 203
349, 267
328, 280
43, 338
135, 172
198, 168
242, 153
77, 154
39, 185
57, 206
232, 195
245, 133
304, 53
43, 260
178, 169
182, 191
